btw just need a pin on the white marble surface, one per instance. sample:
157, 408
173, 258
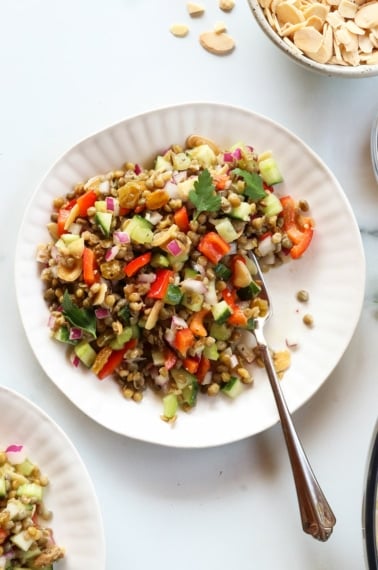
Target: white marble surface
70, 68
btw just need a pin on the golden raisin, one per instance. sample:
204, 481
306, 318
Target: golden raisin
157, 199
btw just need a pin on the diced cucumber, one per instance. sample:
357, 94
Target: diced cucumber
181, 161
85, 353
18, 510
170, 405
25, 468
22, 542
69, 238
242, 212
174, 295
192, 301
63, 335
3, 488
222, 271
175, 259
159, 260
272, 205
121, 339
269, 171
226, 230
221, 311
104, 222
100, 206
211, 352
139, 229
190, 273
188, 385
203, 154
248, 292
233, 388
30, 490
162, 164
220, 331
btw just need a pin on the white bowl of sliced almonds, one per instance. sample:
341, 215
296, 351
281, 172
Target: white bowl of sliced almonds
332, 37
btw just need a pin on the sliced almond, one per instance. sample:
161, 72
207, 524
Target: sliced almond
347, 9
335, 20
286, 13
179, 30
218, 44
317, 9
308, 39
365, 44
352, 27
226, 5
315, 22
195, 10
367, 16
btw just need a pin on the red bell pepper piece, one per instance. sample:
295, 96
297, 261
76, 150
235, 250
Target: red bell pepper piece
203, 368
86, 201
90, 271
184, 339
238, 318
160, 286
299, 229
62, 218
191, 364
3, 535
137, 263
181, 219
170, 359
213, 246
115, 359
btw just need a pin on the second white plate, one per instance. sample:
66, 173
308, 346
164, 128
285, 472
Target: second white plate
76, 522
332, 271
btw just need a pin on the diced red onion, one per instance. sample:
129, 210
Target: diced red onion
178, 323
137, 169
75, 333
112, 205
121, 237
234, 362
199, 268
266, 246
237, 154
179, 176
174, 247
171, 189
153, 217
104, 186
111, 253
102, 313
75, 360
146, 277
249, 147
14, 448
194, 285
207, 379
233, 247
75, 228
211, 294
169, 335
291, 342
51, 322
228, 157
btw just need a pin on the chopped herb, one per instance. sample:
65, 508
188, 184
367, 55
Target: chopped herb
82, 318
254, 184
204, 196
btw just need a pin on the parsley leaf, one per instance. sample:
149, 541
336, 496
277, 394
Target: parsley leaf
82, 318
204, 196
254, 184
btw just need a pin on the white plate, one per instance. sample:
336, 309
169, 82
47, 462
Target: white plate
333, 271
76, 522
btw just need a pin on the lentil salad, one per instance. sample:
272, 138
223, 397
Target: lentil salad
25, 540
147, 277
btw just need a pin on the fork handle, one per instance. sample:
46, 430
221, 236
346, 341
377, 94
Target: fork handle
317, 517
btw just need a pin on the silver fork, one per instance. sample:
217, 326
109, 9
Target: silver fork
317, 517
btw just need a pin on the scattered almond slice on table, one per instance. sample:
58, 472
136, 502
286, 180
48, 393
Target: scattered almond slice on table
217, 43
179, 30
195, 10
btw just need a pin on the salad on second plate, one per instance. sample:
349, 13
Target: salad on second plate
147, 274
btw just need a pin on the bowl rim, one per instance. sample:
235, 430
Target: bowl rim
329, 69
369, 518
